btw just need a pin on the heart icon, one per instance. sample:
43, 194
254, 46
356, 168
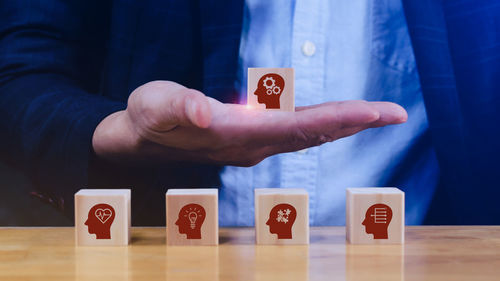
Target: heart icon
103, 214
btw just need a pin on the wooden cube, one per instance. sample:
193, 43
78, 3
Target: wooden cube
375, 215
281, 216
271, 89
102, 217
192, 216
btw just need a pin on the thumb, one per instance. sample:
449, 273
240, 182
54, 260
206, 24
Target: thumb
164, 105
187, 107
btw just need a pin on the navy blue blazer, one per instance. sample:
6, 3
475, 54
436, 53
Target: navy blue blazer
65, 65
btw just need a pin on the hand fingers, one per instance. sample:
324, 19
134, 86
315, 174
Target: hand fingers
330, 121
342, 114
255, 128
235, 128
162, 106
184, 107
390, 113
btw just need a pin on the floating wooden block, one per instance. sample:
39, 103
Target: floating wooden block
375, 215
281, 216
192, 216
102, 217
271, 88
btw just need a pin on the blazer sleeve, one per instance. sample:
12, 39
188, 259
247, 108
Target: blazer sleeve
51, 56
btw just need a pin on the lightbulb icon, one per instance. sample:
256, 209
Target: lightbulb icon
192, 219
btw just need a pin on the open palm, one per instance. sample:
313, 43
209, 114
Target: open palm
165, 121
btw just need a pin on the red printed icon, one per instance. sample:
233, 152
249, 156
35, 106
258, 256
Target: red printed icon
191, 217
281, 219
377, 219
99, 220
269, 89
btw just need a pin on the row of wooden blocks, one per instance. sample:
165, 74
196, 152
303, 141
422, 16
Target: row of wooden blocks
373, 216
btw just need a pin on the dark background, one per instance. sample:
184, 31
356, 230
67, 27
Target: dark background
19, 208
456, 46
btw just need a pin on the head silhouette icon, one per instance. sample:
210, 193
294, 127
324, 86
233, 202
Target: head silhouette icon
191, 218
377, 219
269, 89
281, 219
99, 220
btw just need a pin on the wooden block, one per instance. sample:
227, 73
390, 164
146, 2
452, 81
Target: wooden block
375, 215
281, 216
192, 216
271, 89
102, 217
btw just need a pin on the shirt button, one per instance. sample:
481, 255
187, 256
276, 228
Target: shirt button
308, 48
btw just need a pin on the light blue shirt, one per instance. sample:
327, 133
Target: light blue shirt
340, 50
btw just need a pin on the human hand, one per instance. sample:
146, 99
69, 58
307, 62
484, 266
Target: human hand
165, 121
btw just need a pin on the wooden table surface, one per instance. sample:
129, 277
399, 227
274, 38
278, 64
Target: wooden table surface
430, 253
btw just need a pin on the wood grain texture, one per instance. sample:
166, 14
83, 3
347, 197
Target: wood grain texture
430, 253
192, 215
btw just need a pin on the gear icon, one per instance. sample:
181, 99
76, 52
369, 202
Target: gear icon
269, 86
276, 90
269, 91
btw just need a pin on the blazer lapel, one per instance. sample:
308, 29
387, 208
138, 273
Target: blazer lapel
221, 23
